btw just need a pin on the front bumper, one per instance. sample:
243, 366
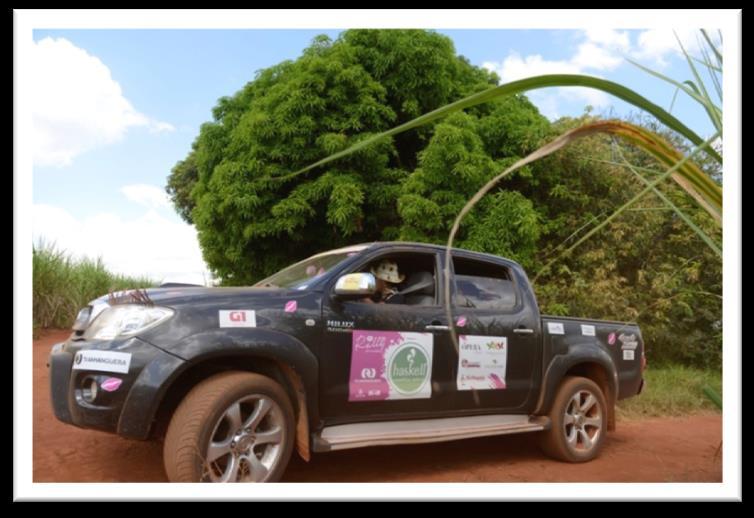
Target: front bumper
128, 409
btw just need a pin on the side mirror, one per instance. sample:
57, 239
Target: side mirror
356, 284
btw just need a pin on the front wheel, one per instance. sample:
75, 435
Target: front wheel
232, 427
579, 421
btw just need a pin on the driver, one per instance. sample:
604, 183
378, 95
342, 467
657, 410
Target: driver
388, 277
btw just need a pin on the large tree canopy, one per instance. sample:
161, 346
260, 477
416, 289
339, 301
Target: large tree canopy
299, 111
646, 266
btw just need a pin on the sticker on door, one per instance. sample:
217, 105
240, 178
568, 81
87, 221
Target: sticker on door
482, 362
390, 365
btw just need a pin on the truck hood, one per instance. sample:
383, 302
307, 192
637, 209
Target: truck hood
171, 297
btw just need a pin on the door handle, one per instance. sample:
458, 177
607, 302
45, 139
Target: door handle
523, 331
435, 327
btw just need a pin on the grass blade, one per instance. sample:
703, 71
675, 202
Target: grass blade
638, 136
688, 87
514, 87
702, 235
626, 205
717, 53
714, 116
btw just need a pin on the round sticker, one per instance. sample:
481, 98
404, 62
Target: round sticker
408, 369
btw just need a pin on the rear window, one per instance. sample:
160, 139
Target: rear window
483, 285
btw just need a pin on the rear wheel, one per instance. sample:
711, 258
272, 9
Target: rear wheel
232, 427
579, 421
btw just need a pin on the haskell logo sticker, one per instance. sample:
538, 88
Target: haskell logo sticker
237, 318
409, 369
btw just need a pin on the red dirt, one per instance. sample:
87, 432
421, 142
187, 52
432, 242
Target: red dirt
650, 450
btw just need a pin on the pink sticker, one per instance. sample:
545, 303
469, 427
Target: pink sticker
497, 382
111, 384
611, 338
290, 306
461, 321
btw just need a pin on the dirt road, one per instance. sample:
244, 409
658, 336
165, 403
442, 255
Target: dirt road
653, 450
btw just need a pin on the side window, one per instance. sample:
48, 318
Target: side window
404, 278
483, 285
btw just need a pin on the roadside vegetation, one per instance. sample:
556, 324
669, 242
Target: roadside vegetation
62, 285
673, 390
386, 134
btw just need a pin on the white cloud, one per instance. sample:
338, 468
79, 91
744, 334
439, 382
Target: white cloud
596, 51
160, 127
145, 194
151, 245
591, 55
515, 67
77, 105
610, 38
658, 44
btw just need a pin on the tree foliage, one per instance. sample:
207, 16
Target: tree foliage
646, 266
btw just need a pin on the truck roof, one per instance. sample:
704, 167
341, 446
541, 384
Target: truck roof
430, 246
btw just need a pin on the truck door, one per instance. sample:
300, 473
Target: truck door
498, 363
382, 361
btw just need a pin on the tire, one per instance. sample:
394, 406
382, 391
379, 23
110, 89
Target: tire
232, 427
576, 435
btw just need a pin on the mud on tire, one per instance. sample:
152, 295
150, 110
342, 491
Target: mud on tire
579, 421
233, 426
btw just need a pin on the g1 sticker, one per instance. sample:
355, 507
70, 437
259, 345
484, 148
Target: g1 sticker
237, 318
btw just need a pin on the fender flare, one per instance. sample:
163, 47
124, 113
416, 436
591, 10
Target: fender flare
577, 353
283, 349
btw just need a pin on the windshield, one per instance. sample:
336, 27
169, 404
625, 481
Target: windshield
300, 275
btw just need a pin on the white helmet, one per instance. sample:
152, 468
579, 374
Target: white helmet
387, 270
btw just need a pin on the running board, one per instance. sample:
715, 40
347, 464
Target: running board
381, 433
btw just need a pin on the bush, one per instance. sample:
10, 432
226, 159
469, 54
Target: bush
62, 285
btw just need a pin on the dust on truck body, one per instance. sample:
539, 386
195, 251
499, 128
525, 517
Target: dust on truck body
232, 380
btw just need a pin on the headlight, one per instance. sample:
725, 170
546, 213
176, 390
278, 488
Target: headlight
82, 319
126, 320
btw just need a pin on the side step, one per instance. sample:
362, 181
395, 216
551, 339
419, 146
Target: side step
359, 435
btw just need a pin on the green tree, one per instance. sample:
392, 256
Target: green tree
254, 216
251, 223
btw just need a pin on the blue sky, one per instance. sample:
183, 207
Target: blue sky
116, 109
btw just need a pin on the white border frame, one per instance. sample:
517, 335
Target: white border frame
729, 21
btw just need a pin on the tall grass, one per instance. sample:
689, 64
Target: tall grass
62, 285
673, 390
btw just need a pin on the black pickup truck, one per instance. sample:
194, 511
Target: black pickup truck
232, 379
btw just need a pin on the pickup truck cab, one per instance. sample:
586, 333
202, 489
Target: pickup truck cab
233, 379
